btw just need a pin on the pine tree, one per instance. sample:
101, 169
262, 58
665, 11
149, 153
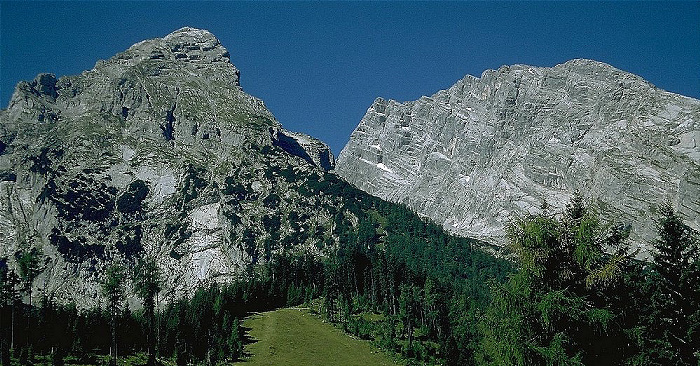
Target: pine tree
554, 309
113, 290
677, 285
8, 298
235, 340
147, 284
28, 264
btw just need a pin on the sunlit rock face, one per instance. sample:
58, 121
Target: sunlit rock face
156, 151
520, 138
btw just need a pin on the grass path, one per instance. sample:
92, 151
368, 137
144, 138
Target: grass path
296, 337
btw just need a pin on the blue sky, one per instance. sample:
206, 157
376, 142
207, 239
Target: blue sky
318, 66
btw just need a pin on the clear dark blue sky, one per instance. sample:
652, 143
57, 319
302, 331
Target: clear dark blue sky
318, 66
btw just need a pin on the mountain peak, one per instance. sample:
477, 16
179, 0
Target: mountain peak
487, 148
184, 45
586, 62
603, 70
188, 36
156, 150
190, 32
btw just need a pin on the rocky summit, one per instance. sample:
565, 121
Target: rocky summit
520, 139
156, 151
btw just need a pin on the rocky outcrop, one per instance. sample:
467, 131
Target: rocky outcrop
304, 146
156, 151
519, 138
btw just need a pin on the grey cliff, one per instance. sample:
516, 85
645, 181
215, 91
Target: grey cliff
520, 138
156, 151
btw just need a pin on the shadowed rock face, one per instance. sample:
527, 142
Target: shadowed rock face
156, 151
306, 147
488, 149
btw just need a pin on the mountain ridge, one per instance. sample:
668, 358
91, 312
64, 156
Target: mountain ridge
521, 136
156, 152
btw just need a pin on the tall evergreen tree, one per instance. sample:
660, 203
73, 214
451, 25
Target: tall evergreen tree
113, 290
8, 297
28, 264
147, 284
235, 340
677, 291
551, 310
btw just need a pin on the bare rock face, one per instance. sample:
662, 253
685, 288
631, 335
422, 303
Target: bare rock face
306, 147
488, 149
156, 151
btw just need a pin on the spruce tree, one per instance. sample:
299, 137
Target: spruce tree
113, 290
677, 286
554, 309
147, 284
7, 300
28, 264
235, 340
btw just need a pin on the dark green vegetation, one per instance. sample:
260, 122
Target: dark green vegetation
383, 248
574, 295
579, 298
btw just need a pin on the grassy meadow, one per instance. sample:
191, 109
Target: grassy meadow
296, 337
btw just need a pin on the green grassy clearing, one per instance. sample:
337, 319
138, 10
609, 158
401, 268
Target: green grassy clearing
297, 337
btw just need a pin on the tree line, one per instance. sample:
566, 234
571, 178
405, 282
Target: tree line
569, 293
204, 328
573, 292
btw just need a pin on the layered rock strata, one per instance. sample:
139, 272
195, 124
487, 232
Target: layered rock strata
517, 139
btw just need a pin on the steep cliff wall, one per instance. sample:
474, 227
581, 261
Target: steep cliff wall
156, 151
488, 149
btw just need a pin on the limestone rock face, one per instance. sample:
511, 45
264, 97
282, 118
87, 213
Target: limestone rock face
156, 151
306, 147
488, 149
